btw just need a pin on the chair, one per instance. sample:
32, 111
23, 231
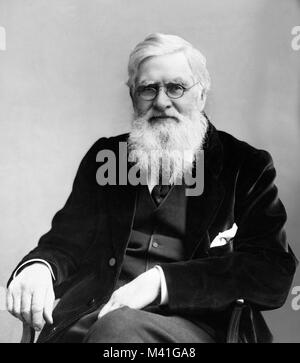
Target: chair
28, 334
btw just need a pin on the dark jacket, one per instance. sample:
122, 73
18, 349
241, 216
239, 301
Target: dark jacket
94, 226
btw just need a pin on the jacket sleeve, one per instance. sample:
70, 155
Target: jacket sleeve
73, 227
261, 267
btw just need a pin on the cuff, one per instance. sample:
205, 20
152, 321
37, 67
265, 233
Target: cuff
30, 262
164, 297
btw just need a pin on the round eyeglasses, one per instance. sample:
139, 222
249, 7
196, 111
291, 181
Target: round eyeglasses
172, 90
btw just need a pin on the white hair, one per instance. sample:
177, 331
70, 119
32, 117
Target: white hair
162, 44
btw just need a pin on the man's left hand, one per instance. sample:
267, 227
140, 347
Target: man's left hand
137, 294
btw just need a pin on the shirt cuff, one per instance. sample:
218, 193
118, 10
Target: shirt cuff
164, 297
30, 262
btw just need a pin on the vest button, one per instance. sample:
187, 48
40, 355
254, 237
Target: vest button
155, 244
112, 262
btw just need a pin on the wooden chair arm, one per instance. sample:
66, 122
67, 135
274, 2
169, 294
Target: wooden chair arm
28, 334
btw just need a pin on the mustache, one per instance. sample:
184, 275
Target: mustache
154, 116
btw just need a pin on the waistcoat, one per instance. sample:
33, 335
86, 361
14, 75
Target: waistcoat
157, 233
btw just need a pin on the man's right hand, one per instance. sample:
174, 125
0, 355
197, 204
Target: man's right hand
30, 296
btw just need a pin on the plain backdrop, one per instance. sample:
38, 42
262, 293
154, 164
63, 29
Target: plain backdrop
62, 86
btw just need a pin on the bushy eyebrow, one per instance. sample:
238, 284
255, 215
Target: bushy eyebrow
177, 80
146, 83
181, 81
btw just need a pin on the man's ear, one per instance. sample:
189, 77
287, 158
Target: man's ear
202, 99
132, 96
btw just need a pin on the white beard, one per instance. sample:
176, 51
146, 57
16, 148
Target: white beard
168, 147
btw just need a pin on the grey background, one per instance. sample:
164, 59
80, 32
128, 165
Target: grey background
62, 86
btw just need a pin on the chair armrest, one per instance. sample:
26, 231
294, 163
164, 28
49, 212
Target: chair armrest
28, 334
233, 332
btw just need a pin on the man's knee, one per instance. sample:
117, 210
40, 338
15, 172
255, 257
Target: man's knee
118, 326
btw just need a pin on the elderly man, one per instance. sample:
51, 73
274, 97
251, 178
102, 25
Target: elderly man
135, 263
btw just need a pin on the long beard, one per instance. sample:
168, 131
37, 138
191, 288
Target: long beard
165, 150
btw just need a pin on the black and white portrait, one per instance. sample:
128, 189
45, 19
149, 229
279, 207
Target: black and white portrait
149, 171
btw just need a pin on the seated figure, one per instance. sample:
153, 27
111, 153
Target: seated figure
137, 252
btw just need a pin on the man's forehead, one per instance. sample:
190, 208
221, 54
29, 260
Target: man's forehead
166, 68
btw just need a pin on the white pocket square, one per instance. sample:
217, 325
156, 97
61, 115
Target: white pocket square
223, 237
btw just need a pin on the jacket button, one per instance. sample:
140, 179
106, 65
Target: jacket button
155, 244
112, 262
91, 302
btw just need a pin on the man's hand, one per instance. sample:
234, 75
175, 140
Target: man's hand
30, 296
137, 294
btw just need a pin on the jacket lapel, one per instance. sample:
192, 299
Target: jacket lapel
122, 205
120, 199
201, 210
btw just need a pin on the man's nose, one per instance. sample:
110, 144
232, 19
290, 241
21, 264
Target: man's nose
162, 101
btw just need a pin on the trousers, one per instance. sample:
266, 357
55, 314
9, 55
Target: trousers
126, 325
